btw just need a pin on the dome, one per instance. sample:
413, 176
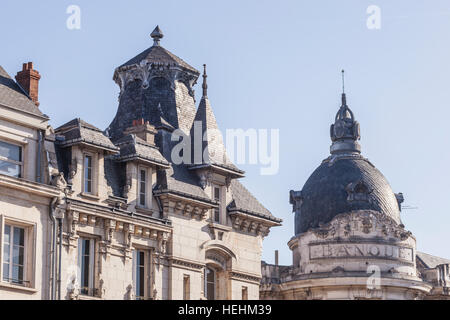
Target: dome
343, 185
344, 182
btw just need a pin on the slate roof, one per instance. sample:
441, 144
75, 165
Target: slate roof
245, 202
115, 175
79, 131
133, 147
13, 96
214, 144
179, 180
159, 55
324, 193
430, 261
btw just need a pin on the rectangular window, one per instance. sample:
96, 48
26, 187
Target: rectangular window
86, 265
14, 254
244, 293
10, 159
88, 174
210, 284
140, 275
186, 287
143, 187
216, 191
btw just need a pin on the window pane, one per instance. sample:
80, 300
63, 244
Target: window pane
217, 194
210, 291
5, 272
140, 274
88, 174
10, 151
85, 266
6, 253
7, 235
19, 234
10, 169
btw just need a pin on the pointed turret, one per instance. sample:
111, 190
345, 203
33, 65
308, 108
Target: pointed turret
208, 149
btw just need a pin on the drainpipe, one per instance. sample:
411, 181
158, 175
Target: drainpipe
53, 248
59, 256
39, 151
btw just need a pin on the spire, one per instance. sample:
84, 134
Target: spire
343, 98
344, 132
157, 35
204, 85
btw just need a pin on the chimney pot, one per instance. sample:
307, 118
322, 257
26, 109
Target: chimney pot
28, 79
142, 129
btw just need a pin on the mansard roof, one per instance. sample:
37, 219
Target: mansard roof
78, 131
179, 180
135, 148
13, 96
244, 201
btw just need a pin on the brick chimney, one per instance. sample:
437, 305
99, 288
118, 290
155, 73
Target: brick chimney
28, 79
144, 130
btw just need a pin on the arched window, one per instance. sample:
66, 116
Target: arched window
210, 284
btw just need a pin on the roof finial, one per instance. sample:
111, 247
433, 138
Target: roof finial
157, 35
344, 99
204, 85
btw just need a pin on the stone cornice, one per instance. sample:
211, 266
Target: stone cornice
186, 264
251, 224
117, 214
242, 276
173, 204
32, 187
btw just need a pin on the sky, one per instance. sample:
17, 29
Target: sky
271, 65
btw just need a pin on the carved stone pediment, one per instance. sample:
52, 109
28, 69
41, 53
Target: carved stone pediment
361, 223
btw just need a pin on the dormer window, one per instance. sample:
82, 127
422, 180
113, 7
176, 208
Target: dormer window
11, 159
88, 173
358, 191
144, 187
89, 181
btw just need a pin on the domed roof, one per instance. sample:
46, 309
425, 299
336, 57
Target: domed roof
344, 185
344, 182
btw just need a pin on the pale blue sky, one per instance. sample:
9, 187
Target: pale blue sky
271, 64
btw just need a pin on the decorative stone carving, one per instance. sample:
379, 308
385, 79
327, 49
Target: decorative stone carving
296, 199
59, 181
130, 293
205, 177
162, 241
73, 168
102, 289
400, 199
73, 290
325, 232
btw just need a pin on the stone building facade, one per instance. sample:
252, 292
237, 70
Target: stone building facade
114, 214
349, 240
